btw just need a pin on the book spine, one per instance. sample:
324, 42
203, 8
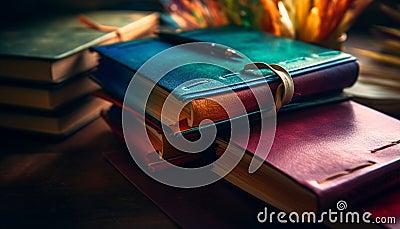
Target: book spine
313, 83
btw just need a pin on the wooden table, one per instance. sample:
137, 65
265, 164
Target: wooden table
69, 183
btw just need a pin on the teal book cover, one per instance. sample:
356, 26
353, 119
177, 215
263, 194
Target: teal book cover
62, 35
314, 69
54, 48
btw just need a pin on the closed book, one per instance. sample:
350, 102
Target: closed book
320, 155
314, 70
221, 205
53, 49
157, 132
158, 157
47, 97
60, 123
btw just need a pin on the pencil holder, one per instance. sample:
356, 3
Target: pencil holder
336, 43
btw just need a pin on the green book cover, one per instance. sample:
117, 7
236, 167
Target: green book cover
55, 48
313, 69
58, 37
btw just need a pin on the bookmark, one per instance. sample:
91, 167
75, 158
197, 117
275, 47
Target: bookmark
104, 28
285, 90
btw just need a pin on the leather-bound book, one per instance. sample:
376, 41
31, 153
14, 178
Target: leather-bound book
320, 155
162, 154
314, 70
157, 132
53, 49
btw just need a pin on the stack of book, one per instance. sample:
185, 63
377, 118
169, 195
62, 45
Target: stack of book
45, 64
326, 148
119, 62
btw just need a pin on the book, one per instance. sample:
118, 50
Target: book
314, 70
225, 206
159, 156
47, 97
320, 155
157, 135
185, 206
53, 49
64, 123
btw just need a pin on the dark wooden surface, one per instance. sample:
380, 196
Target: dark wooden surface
69, 184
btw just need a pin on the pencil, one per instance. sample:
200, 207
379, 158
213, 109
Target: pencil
322, 6
302, 11
350, 16
312, 26
273, 15
286, 25
336, 14
290, 7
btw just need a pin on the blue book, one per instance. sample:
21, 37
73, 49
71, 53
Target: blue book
314, 69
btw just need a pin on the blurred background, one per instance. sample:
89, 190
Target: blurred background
21, 10
18, 10
368, 39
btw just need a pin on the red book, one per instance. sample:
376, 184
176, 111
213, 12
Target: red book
221, 205
320, 155
311, 148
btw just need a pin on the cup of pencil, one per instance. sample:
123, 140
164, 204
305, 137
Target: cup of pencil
322, 22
